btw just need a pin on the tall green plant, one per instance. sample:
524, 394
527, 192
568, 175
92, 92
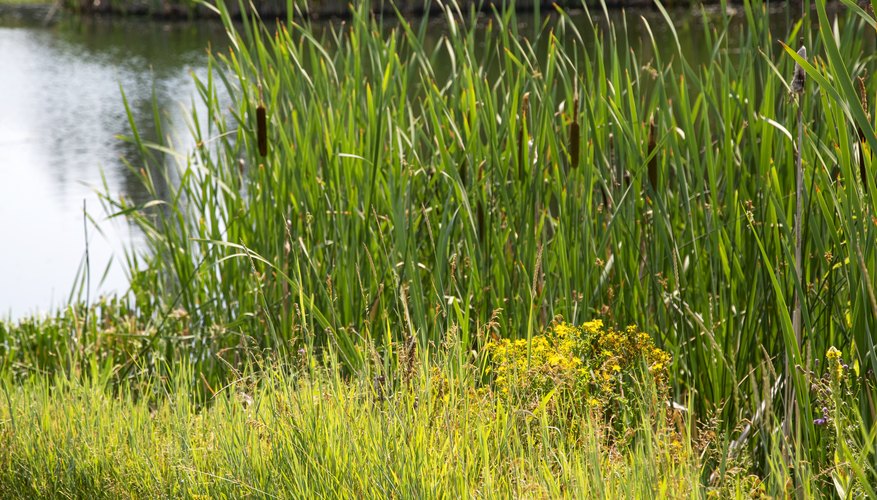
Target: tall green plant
416, 184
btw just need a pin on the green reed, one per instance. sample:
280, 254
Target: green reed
417, 185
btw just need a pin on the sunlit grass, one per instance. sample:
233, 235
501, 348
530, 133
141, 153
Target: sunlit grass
308, 434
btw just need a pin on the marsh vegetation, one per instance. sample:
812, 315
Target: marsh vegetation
365, 276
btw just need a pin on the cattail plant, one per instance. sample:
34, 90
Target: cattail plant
797, 87
797, 91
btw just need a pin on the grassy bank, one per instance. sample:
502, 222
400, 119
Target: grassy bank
298, 428
377, 195
306, 436
305, 432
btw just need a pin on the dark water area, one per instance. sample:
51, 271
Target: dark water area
62, 115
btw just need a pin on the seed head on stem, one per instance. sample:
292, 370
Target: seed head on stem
798, 78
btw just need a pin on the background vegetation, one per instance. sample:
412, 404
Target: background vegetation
318, 8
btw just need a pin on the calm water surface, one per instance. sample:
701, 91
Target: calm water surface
61, 113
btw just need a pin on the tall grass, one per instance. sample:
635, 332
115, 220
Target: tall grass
306, 433
415, 186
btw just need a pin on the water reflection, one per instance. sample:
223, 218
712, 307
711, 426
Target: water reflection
62, 111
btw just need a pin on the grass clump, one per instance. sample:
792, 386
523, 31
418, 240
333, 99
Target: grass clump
847, 444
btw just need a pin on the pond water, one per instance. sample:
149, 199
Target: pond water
61, 115
61, 112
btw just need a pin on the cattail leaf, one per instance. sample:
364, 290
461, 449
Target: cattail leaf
842, 79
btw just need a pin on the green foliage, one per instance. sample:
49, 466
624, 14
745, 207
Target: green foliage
108, 330
415, 185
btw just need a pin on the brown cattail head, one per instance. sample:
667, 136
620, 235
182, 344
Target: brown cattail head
522, 139
574, 139
261, 126
863, 146
798, 78
262, 130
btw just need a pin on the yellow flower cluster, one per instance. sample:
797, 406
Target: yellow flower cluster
611, 351
533, 368
835, 362
589, 363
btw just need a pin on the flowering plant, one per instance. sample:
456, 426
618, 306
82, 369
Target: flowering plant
599, 368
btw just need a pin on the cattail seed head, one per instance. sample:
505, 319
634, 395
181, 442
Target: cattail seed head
798, 78
262, 130
522, 139
863, 141
261, 125
574, 145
